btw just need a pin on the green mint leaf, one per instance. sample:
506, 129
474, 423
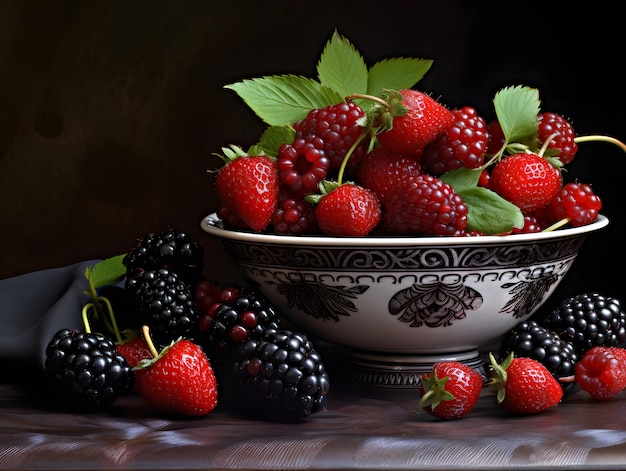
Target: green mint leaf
107, 272
488, 212
341, 67
274, 137
517, 108
284, 99
397, 73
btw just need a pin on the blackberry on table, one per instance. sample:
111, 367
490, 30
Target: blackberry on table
587, 320
280, 377
85, 369
165, 303
226, 325
171, 249
532, 340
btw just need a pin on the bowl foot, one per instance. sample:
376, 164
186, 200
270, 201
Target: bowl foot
403, 371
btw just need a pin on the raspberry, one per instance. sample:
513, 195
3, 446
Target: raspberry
463, 144
425, 205
532, 224
496, 137
302, 165
551, 123
602, 372
574, 201
294, 217
382, 171
337, 126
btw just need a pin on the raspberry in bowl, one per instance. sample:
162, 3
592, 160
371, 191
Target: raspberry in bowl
396, 305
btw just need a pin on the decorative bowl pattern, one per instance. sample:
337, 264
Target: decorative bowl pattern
399, 304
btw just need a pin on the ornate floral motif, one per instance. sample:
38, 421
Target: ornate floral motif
434, 304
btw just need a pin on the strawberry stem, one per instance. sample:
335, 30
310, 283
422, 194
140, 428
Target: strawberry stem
85, 316
146, 335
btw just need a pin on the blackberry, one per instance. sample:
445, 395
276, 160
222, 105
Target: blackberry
224, 326
588, 320
171, 249
165, 303
532, 340
280, 376
85, 369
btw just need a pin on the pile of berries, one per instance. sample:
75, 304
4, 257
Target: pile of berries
182, 342
392, 160
581, 344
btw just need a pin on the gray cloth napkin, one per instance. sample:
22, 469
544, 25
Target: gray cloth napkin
34, 306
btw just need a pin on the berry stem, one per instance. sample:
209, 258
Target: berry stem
354, 145
599, 137
556, 225
146, 335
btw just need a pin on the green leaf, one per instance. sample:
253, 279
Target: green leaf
107, 272
461, 178
396, 73
341, 67
489, 213
517, 108
274, 137
284, 99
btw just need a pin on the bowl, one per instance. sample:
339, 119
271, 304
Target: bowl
397, 305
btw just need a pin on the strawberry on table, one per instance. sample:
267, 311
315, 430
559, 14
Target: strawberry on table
524, 385
247, 186
450, 390
135, 351
179, 379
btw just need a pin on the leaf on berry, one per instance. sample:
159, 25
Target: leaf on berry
489, 213
106, 272
275, 136
284, 99
397, 73
341, 67
517, 108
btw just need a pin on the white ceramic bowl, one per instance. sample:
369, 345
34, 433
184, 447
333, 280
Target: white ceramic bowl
399, 304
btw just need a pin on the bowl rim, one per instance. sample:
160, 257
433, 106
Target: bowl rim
211, 224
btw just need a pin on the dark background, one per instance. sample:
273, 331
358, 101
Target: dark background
110, 111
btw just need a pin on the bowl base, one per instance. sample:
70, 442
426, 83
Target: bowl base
403, 371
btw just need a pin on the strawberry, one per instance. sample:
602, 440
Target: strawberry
527, 180
247, 186
450, 390
602, 372
179, 380
135, 351
524, 385
347, 210
382, 171
425, 120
